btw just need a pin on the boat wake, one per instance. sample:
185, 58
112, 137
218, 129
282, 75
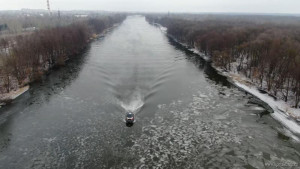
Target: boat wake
134, 103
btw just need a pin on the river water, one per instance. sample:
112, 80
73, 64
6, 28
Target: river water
187, 116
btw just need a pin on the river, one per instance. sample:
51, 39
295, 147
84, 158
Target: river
187, 116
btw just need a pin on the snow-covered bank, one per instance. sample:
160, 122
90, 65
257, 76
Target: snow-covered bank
7, 97
103, 33
286, 115
192, 49
289, 117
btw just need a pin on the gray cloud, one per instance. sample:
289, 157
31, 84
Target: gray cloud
256, 6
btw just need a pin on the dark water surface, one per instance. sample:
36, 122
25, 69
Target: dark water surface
187, 116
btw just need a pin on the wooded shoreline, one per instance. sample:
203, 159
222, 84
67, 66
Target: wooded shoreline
27, 58
266, 53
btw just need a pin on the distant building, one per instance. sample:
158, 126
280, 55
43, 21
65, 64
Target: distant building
81, 16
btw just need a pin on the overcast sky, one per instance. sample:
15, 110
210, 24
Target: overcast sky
245, 6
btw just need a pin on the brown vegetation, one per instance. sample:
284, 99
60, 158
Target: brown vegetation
26, 58
266, 52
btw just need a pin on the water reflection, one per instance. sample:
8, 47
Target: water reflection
59, 79
211, 73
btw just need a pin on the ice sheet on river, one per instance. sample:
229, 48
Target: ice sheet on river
277, 106
193, 137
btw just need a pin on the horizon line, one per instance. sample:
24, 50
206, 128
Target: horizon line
178, 12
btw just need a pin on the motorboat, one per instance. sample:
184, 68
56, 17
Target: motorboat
129, 117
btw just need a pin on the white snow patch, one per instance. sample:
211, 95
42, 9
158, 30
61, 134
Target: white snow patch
14, 94
202, 55
276, 105
282, 111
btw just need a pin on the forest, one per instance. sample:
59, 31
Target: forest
25, 58
266, 49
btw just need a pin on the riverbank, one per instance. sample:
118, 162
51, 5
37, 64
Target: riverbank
189, 118
284, 113
8, 97
103, 34
18, 90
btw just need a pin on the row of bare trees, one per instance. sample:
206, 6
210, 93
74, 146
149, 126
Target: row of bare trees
267, 53
26, 58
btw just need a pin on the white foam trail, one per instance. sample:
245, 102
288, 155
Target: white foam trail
134, 103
